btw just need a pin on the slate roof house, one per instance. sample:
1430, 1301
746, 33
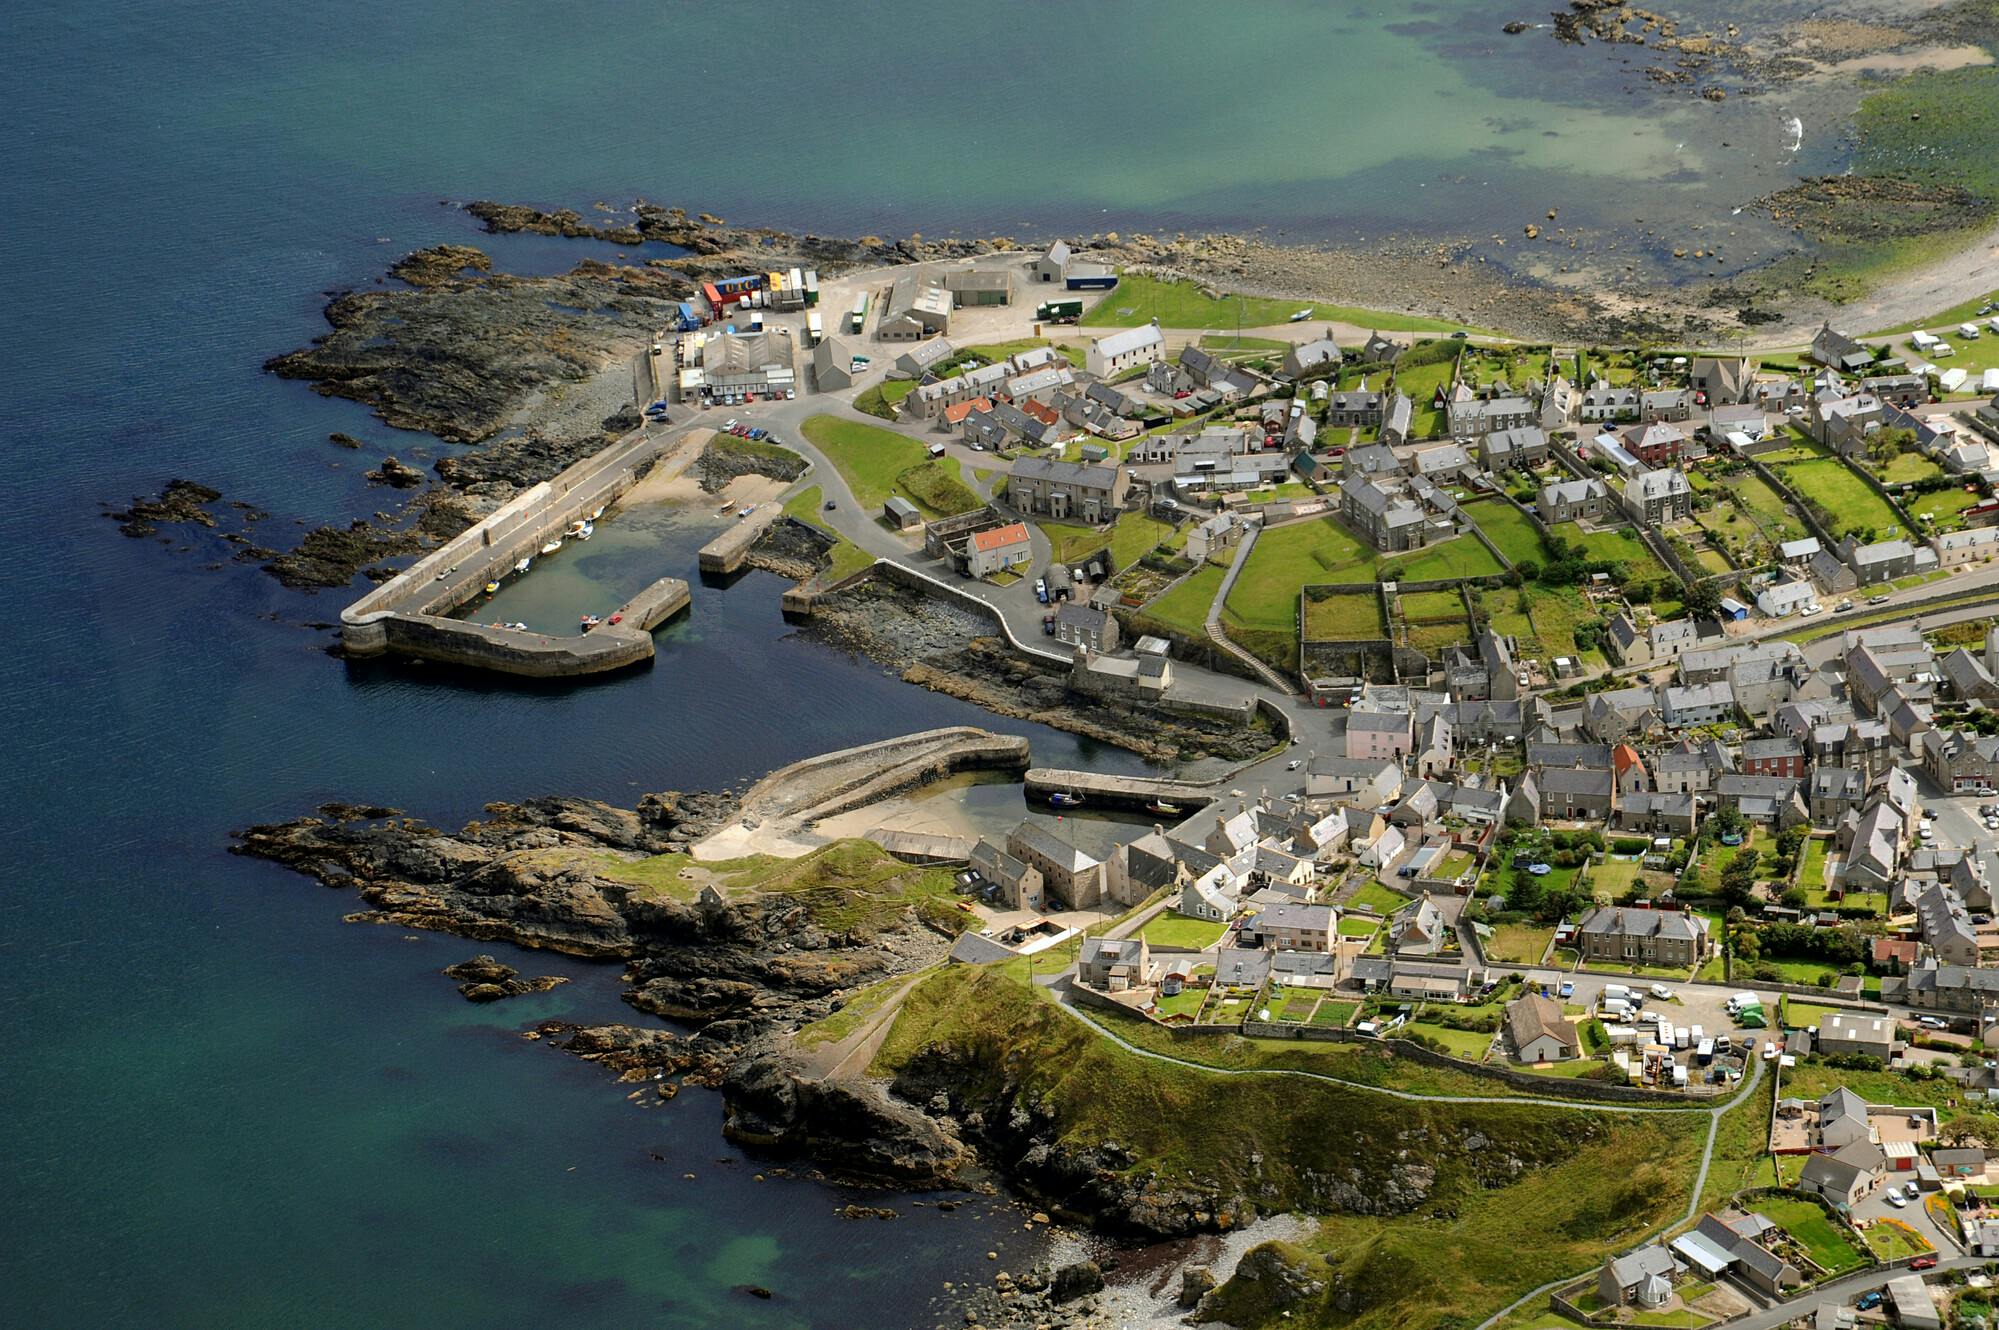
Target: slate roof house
1629, 934
1538, 1032
1073, 491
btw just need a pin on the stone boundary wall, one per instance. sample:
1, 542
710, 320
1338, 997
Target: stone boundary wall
409, 613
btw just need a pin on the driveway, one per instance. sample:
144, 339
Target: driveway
1913, 1214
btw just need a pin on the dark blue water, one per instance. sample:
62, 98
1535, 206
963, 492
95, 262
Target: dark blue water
223, 1106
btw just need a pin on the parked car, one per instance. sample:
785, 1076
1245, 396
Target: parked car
1914, 1190
1041, 589
1568, 988
1898, 1200
1933, 1022
1048, 624
1293, 764
1877, 600
1663, 993
1868, 1301
1923, 1263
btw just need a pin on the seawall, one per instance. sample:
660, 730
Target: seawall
408, 615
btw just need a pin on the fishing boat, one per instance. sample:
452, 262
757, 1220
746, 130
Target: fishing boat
1065, 799
727, 508
587, 532
598, 513
524, 564
1162, 807
491, 587
518, 627
577, 528
590, 621
552, 546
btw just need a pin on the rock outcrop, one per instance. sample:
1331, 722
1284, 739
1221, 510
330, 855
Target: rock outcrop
484, 979
849, 1126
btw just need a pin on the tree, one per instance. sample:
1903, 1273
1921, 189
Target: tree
1703, 600
1795, 898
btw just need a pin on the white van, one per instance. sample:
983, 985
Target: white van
1968, 331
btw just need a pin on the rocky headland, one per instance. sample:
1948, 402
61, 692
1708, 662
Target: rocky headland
949, 649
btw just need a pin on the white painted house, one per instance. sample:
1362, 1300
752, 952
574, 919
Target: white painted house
1122, 350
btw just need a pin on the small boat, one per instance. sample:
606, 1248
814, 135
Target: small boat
617, 618
491, 587
524, 564
518, 627
1064, 799
577, 527
590, 621
726, 509
1161, 806
745, 512
552, 546
599, 513
587, 532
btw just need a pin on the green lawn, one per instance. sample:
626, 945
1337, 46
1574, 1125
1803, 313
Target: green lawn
1288, 558
1834, 486
1944, 508
993, 353
1460, 556
877, 463
845, 557
1463, 1043
1803, 1015
1139, 298
1811, 871
1432, 606
1133, 535
1614, 877
1908, 467
1810, 1080
1518, 944
1892, 1239
1766, 507
1187, 1002
1508, 528
1948, 318
1182, 931
1621, 544
1344, 616
1374, 896
1185, 607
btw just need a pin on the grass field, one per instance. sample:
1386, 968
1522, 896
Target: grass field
1554, 613
1333, 1012
1182, 931
877, 463
1285, 560
1621, 544
1129, 539
1374, 896
1810, 1081
1432, 605
1460, 556
1344, 616
1138, 299
1766, 507
1834, 486
1613, 877
1421, 382
1518, 944
1804, 1015
845, 557
1464, 1043
994, 352
1185, 608
1906, 468
1508, 528
1357, 926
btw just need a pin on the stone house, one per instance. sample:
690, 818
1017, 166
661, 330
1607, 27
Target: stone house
1573, 500
1537, 1031
1124, 349
1001, 548
1113, 965
1068, 875
1628, 934
1067, 491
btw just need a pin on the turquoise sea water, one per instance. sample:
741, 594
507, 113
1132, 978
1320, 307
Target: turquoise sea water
223, 1106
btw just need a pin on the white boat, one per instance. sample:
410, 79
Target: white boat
552, 546
587, 532
599, 513
576, 528
524, 564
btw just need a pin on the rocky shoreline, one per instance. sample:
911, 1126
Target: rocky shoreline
950, 650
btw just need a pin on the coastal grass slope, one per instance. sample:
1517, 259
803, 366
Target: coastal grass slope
1425, 1203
